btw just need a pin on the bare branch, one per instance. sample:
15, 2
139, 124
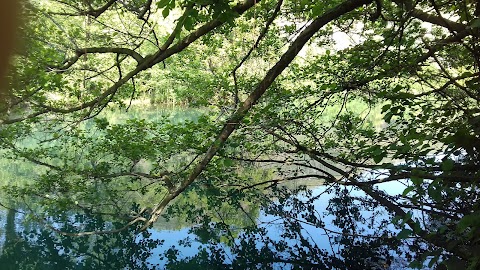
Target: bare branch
82, 51
260, 37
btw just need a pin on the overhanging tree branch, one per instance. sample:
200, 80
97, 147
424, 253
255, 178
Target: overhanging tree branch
82, 51
256, 94
150, 61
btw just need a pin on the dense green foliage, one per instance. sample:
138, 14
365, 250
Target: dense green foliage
356, 94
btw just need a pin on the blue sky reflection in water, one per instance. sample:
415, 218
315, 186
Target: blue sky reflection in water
85, 253
325, 237
126, 250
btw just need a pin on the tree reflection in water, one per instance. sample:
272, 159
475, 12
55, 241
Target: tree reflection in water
296, 229
41, 248
307, 231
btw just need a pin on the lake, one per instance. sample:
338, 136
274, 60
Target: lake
293, 227
26, 244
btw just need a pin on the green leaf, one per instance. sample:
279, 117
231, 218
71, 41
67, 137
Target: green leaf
165, 12
388, 117
407, 190
433, 261
416, 265
228, 162
417, 228
317, 10
226, 16
475, 23
188, 23
396, 219
447, 165
386, 107
404, 95
403, 234
102, 123
468, 221
408, 216
416, 180
162, 3
377, 153
435, 192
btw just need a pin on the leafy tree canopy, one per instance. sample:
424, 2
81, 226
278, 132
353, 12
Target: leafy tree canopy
278, 98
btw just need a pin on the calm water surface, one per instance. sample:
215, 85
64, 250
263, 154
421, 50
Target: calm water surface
27, 244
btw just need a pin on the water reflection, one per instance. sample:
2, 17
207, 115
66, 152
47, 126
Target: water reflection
314, 228
290, 233
35, 247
